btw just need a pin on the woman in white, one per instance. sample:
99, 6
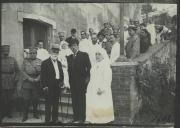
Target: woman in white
64, 51
99, 104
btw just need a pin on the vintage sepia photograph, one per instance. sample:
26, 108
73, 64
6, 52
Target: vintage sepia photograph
88, 63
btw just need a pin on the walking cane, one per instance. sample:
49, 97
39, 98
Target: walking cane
39, 100
61, 104
39, 106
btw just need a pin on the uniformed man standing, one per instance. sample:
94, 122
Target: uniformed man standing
133, 45
31, 82
9, 71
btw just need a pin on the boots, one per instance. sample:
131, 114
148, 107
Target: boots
26, 109
35, 112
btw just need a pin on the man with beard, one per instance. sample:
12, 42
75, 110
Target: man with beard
52, 79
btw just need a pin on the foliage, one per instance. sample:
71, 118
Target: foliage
146, 9
156, 92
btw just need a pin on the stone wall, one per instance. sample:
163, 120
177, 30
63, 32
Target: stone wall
124, 91
127, 96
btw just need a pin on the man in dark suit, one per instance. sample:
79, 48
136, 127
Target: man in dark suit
73, 37
52, 78
79, 75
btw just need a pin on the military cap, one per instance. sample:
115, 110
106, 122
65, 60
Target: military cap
32, 49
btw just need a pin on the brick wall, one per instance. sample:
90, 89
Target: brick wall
124, 92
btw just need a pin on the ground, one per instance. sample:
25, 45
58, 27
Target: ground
17, 118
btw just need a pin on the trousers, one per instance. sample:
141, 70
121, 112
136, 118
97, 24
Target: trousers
52, 102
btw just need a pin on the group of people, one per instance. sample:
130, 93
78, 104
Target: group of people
81, 66
64, 65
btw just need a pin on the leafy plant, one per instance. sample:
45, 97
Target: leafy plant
156, 92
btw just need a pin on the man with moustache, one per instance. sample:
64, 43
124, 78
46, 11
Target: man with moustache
79, 75
52, 79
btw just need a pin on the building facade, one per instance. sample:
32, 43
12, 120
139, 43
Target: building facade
23, 24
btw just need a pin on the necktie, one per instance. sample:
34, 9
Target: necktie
74, 56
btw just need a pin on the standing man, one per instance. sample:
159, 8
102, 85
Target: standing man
73, 37
85, 44
101, 41
52, 79
91, 31
79, 75
133, 46
9, 71
31, 69
42, 53
62, 38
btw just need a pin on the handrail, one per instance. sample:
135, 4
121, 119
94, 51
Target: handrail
143, 58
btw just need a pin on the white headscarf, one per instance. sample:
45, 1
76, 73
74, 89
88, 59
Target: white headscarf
106, 60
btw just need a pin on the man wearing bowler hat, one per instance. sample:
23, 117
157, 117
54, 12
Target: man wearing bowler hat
52, 79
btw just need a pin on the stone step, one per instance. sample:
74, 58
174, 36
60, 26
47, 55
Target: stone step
62, 101
62, 112
64, 104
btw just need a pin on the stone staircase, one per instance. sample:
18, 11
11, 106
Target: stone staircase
65, 107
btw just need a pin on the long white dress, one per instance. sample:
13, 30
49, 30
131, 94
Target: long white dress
99, 108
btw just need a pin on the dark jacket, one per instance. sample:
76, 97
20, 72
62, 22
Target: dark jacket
9, 72
133, 47
71, 40
79, 70
145, 43
48, 73
31, 69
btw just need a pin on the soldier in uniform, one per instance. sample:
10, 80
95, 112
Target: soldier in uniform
133, 45
9, 73
31, 82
